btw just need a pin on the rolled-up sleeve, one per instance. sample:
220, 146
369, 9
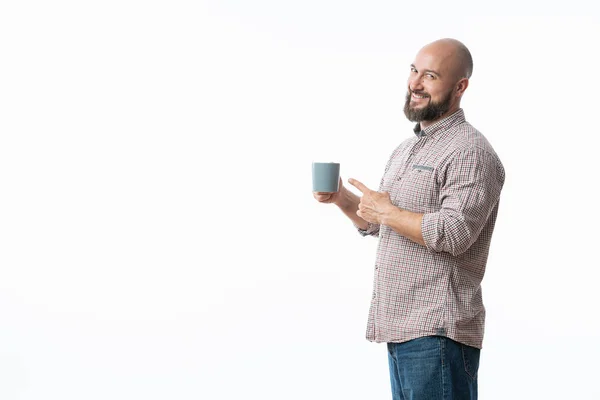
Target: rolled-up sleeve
372, 230
472, 183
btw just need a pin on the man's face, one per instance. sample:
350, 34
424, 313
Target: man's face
430, 88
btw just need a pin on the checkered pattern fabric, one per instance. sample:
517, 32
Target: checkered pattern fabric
450, 173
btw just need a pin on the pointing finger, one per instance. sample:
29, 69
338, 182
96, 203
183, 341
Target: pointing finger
359, 185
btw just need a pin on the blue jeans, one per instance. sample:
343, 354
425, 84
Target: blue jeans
433, 368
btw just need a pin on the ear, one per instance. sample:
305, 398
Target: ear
461, 86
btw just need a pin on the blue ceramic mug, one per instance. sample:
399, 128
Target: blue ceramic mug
325, 177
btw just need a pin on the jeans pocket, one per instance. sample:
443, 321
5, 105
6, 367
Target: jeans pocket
471, 360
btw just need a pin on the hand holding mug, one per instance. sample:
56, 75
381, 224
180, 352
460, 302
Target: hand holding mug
329, 197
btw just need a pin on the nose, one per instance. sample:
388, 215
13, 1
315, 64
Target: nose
415, 83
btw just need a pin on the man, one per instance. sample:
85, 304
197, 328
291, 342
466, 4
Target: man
434, 214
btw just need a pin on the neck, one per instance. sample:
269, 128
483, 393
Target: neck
452, 110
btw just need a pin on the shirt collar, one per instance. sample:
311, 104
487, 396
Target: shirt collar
456, 118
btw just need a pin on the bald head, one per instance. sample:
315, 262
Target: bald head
454, 54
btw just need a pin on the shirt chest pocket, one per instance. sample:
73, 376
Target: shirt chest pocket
419, 191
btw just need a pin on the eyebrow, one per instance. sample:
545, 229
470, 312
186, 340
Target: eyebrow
428, 70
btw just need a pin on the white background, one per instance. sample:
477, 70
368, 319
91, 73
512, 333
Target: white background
158, 236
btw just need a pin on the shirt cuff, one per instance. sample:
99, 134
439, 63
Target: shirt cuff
429, 230
372, 230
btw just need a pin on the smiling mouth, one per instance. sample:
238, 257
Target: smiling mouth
418, 96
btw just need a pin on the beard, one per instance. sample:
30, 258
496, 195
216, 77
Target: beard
430, 112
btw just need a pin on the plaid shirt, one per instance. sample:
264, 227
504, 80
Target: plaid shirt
450, 173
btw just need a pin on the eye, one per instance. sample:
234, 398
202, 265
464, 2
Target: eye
430, 76
413, 69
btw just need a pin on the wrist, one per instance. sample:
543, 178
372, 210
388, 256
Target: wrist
342, 200
391, 214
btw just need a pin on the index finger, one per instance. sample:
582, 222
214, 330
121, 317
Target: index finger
359, 185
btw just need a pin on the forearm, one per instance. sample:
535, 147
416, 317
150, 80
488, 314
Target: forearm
405, 223
348, 203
